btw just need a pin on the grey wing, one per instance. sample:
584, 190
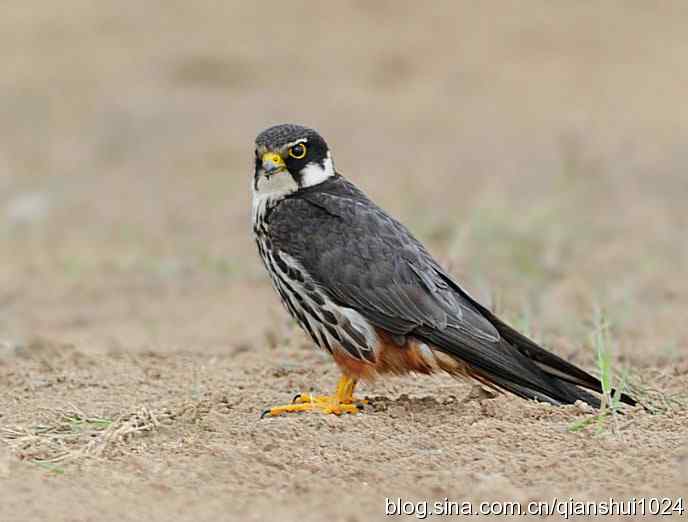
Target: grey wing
365, 260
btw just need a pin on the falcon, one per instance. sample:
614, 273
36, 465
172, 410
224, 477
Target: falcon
366, 291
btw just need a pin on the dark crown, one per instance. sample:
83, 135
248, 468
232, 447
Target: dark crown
279, 135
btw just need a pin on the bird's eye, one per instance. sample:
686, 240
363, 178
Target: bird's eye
298, 151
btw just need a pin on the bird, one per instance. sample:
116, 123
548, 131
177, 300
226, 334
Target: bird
371, 295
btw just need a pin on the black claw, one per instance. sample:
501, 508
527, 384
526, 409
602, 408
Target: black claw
296, 397
264, 413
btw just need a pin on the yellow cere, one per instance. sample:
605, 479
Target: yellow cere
272, 157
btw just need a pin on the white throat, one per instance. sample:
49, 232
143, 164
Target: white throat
278, 186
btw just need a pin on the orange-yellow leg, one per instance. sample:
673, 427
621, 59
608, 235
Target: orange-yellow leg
341, 402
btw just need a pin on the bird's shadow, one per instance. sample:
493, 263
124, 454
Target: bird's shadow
427, 403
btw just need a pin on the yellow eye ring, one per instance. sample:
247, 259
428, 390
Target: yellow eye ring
298, 151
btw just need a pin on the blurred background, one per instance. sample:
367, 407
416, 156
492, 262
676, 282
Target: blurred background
539, 151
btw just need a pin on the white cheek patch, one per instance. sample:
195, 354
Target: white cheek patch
314, 173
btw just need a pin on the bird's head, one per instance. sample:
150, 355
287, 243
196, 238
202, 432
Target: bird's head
290, 157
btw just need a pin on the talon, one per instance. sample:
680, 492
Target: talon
341, 402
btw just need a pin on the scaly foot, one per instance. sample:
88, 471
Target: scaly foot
322, 404
342, 402
307, 397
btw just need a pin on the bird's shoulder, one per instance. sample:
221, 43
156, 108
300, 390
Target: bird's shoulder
338, 212
336, 216
367, 260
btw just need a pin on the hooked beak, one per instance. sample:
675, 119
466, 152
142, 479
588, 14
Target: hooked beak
272, 163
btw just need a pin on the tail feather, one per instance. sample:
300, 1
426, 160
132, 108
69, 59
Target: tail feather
524, 369
514, 363
506, 366
573, 393
537, 383
564, 394
552, 364
562, 380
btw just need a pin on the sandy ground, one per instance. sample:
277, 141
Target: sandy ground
539, 153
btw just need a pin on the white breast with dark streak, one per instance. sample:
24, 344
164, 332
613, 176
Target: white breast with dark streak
332, 327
